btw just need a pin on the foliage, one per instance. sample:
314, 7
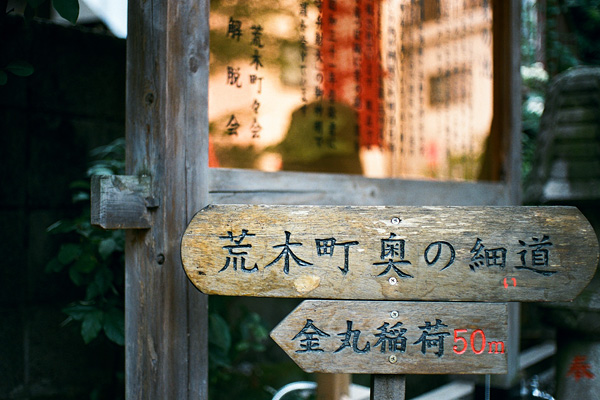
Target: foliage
579, 44
535, 79
17, 68
68, 9
93, 258
239, 364
572, 29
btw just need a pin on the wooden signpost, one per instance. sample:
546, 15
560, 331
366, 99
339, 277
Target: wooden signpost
458, 265
391, 253
392, 337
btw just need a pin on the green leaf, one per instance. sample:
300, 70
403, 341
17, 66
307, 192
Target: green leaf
99, 170
91, 325
80, 184
103, 279
20, 68
68, 9
92, 291
242, 346
219, 333
75, 276
107, 247
80, 196
115, 150
86, 263
68, 253
61, 227
54, 266
101, 283
78, 311
54, 226
3, 78
218, 358
114, 326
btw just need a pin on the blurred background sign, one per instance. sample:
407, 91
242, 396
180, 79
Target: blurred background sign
384, 88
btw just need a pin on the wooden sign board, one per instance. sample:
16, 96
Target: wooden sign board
389, 337
391, 253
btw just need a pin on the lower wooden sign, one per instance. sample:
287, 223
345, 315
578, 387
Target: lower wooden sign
392, 337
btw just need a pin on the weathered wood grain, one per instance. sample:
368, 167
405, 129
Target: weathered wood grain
388, 387
166, 322
440, 253
358, 337
333, 386
235, 186
121, 201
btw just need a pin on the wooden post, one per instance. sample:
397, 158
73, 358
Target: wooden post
167, 140
333, 386
388, 387
506, 135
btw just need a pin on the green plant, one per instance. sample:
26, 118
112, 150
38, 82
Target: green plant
535, 80
17, 68
571, 29
68, 9
93, 257
237, 343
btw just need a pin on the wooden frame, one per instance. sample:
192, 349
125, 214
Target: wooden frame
230, 186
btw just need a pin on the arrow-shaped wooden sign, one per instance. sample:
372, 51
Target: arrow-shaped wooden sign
388, 337
391, 253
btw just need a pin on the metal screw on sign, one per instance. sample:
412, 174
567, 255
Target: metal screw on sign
394, 314
396, 220
393, 359
393, 281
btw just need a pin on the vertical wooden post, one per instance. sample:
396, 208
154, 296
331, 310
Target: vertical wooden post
507, 121
333, 386
167, 140
388, 387
506, 130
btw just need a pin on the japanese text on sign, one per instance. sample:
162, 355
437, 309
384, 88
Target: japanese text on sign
534, 257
